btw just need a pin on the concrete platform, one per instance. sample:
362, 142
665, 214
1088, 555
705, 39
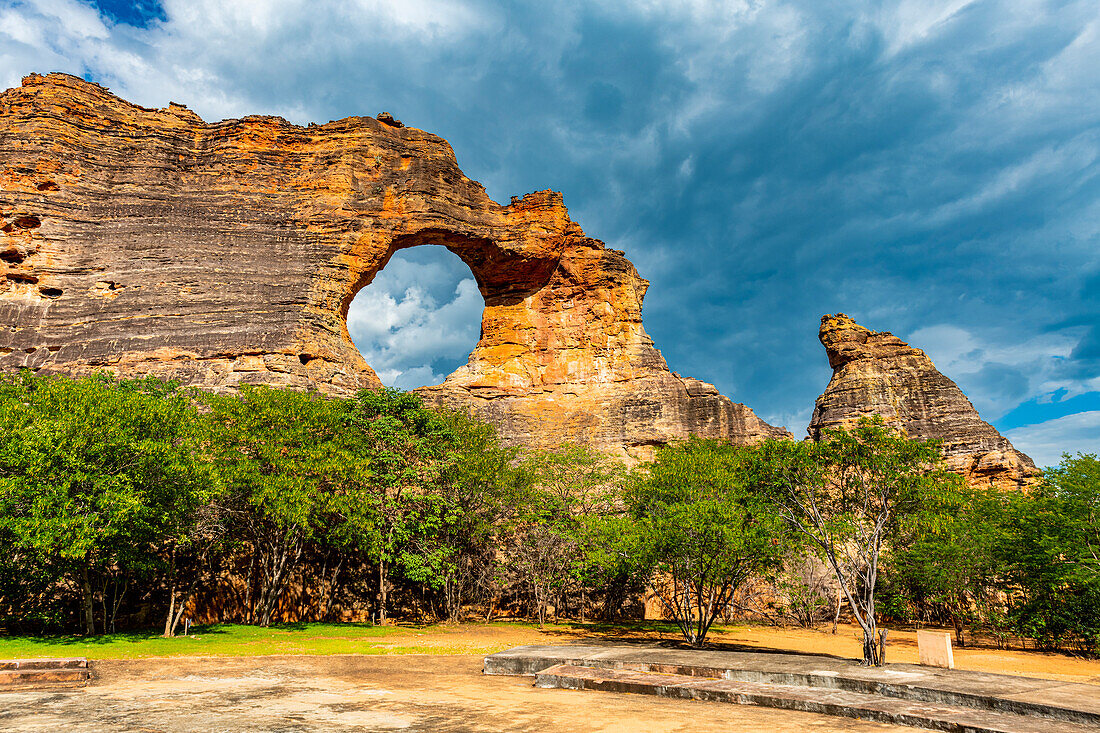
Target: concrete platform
901, 694
374, 693
34, 674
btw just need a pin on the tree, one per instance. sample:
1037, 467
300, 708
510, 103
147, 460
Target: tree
1051, 554
94, 474
453, 529
571, 484
403, 449
295, 471
945, 552
844, 495
696, 530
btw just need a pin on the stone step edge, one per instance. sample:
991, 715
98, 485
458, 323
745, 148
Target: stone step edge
857, 705
902, 691
14, 680
45, 663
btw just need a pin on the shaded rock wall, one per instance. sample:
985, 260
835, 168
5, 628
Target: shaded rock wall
878, 373
147, 241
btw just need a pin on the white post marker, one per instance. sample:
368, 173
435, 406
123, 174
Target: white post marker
934, 648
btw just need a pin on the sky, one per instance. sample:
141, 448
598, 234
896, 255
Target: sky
929, 167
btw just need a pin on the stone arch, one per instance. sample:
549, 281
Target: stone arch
231, 252
504, 278
419, 318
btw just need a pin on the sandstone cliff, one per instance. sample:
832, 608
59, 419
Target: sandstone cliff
147, 241
878, 373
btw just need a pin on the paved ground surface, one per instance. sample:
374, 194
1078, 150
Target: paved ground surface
747, 665
373, 693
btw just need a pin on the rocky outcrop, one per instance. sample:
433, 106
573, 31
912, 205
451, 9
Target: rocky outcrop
146, 241
878, 373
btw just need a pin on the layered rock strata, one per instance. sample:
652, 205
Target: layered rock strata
878, 373
146, 241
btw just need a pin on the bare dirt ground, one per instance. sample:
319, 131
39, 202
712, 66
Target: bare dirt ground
339, 694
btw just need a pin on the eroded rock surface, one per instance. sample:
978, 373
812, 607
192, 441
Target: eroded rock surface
147, 241
878, 373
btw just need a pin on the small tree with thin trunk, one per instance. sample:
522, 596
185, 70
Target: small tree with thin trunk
844, 495
695, 530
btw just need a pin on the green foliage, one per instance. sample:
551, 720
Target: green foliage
141, 496
695, 530
449, 534
293, 474
845, 495
1051, 557
572, 485
94, 474
944, 562
1015, 562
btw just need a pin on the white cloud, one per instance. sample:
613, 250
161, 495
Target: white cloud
998, 375
402, 329
911, 22
1046, 442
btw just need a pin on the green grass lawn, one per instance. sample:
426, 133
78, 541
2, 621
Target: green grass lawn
229, 640
234, 640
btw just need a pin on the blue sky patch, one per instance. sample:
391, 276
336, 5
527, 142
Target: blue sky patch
136, 13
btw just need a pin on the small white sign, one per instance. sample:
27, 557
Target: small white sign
934, 648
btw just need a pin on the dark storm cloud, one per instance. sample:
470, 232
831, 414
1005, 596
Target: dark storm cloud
931, 168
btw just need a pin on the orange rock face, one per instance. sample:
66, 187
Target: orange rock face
149, 242
878, 373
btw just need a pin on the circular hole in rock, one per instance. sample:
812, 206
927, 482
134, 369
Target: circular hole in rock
419, 319
51, 292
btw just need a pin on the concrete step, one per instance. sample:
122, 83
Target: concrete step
904, 690
803, 698
1071, 702
57, 663
32, 674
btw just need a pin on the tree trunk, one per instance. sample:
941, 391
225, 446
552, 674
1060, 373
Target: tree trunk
839, 606
959, 629
179, 616
249, 607
274, 572
103, 605
330, 590
870, 647
381, 592
89, 607
116, 600
169, 629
